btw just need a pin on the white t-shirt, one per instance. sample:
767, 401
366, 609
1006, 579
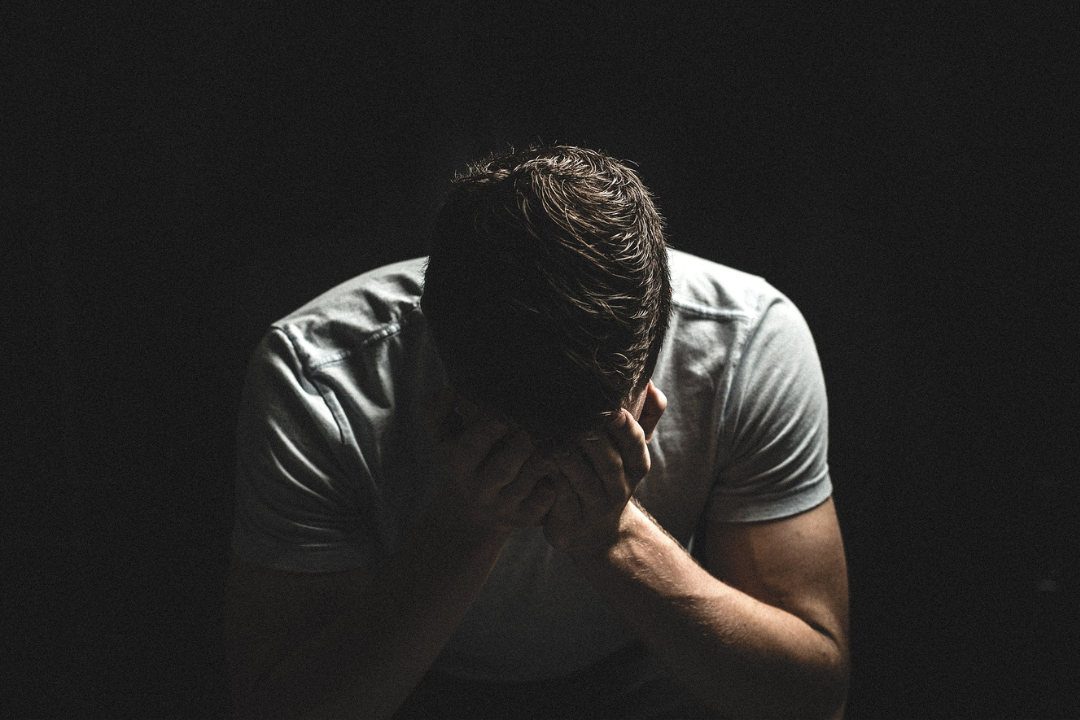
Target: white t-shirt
333, 465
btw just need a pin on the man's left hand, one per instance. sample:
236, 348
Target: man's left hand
595, 481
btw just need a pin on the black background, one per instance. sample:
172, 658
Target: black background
176, 177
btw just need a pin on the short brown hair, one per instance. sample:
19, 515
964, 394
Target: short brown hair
547, 288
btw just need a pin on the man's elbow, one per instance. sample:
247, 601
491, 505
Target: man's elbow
832, 691
825, 688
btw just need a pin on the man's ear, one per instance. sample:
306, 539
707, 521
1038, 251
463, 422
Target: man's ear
652, 410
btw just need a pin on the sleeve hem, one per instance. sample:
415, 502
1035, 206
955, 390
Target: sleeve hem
760, 509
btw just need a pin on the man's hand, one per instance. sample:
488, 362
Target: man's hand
594, 483
497, 479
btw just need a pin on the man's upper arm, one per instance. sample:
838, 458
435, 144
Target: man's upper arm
298, 505
294, 510
772, 530
796, 564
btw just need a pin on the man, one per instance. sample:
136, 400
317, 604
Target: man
456, 497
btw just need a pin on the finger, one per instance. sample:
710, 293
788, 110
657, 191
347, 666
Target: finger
535, 468
539, 502
607, 464
652, 410
475, 442
629, 438
567, 503
505, 460
582, 477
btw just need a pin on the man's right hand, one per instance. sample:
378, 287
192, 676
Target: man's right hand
497, 480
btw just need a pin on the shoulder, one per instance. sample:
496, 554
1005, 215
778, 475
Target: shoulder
738, 319
359, 312
706, 289
720, 310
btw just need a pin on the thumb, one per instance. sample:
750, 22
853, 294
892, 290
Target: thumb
653, 409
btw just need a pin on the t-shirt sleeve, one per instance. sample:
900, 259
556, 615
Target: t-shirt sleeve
297, 507
775, 428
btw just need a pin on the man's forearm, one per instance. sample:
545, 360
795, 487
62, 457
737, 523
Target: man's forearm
743, 656
367, 660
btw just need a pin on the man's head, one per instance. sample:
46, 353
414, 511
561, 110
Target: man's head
547, 288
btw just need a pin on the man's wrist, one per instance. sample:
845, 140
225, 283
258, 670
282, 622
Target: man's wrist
602, 546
